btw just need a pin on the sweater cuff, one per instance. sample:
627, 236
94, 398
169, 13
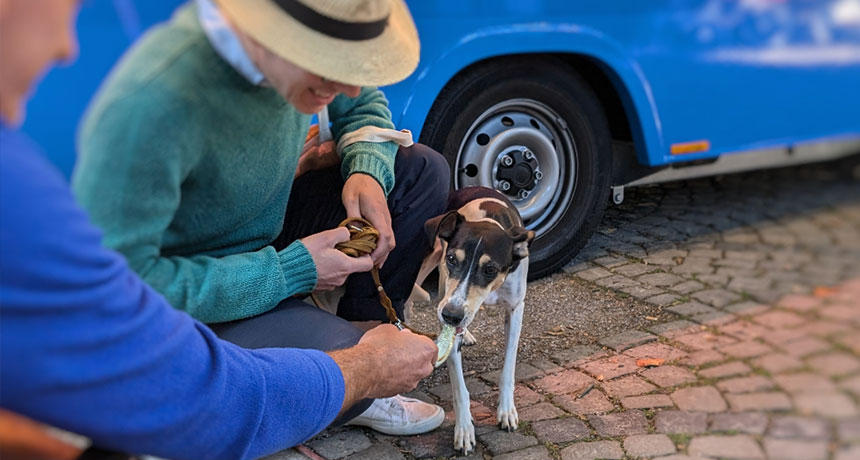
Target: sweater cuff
297, 265
372, 165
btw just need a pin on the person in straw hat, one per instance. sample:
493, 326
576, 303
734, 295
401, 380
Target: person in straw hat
194, 159
87, 346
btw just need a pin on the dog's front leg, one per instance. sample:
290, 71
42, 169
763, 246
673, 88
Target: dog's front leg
464, 430
507, 412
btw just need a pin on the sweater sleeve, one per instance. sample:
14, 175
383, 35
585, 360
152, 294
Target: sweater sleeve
134, 157
374, 159
86, 346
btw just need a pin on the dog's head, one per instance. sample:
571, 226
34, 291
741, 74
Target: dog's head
476, 260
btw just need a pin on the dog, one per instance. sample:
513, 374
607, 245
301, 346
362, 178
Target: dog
481, 250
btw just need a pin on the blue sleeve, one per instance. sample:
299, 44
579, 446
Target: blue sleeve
87, 347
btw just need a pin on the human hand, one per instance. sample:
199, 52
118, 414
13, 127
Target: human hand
363, 197
403, 359
333, 266
315, 155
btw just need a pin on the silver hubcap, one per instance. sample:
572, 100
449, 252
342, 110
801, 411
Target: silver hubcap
523, 149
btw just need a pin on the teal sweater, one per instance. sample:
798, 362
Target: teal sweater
187, 168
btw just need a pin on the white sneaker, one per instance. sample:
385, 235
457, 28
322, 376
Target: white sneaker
399, 415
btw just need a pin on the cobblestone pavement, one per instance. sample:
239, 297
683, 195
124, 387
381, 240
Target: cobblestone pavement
756, 354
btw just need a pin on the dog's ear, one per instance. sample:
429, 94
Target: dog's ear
522, 239
442, 226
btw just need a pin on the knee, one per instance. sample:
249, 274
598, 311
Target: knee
427, 170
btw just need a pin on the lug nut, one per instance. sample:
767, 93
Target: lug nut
528, 155
524, 194
507, 160
538, 175
504, 185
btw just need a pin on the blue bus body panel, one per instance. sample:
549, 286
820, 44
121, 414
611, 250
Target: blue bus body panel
740, 74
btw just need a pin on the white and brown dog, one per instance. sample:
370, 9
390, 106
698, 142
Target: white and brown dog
481, 250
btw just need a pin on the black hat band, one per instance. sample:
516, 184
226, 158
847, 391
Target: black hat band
330, 26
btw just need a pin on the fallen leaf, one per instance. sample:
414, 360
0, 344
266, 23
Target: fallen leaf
650, 362
651, 318
823, 291
600, 378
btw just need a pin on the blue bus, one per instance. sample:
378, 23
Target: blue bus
561, 104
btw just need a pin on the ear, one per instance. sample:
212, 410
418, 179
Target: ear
522, 239
442, 226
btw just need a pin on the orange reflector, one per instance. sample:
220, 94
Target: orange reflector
690, 147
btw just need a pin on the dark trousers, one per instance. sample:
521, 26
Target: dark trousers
420, 192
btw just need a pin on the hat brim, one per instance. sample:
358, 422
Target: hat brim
384, 60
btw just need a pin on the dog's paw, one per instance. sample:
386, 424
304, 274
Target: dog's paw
464, 437
508, 418
468, 338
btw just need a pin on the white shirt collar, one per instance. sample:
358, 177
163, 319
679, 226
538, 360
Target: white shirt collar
225, 41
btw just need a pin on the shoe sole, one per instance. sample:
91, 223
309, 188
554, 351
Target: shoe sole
428, 424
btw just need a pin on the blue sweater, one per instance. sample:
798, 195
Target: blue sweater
86, 346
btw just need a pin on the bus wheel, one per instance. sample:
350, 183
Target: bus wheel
533, 129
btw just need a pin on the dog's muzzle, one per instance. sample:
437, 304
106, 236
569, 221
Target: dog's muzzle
453, 315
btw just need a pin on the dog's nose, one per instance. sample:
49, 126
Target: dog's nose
452, 316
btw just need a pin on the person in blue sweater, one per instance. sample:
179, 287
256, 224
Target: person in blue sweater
87, 346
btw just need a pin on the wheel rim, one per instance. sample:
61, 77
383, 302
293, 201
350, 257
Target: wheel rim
522, 148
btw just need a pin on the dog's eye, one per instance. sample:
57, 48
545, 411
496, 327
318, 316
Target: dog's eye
490, 271
451, 259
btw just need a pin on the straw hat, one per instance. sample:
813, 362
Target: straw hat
357, 42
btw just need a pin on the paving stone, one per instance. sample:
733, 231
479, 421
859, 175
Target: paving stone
619, 423
627, 339
437, 443
694, 266
674, 328
663, 300
851, 384
745, 384
797, 427
288, 454
668, 376
542, 411
765, 401
779, 319
850, 341
727, 447
665, 257
781, 336
699, 399
742, 422
578, 354
717, 297
743, 330
544, 365
648, 445
848, 453
691, 308
567, 381
340, 443
561, 430
523, 372
660, 279
825, 328
641, 292
848, 430
630, 385
746, 308
610, 367
790, 449
746, 349
634, 270
716, 318
499, 442
680, 422
704, 340
836, 405
656, 350
725, 370
593, 403
615, 282
799, 302
805, 346
475, 386
688, 287
804, 382
834, 364
611, 261
699, 358
777, 362
840, 313
531, 453
646, 402
380, 451
610, 450
525, 396
594, 274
